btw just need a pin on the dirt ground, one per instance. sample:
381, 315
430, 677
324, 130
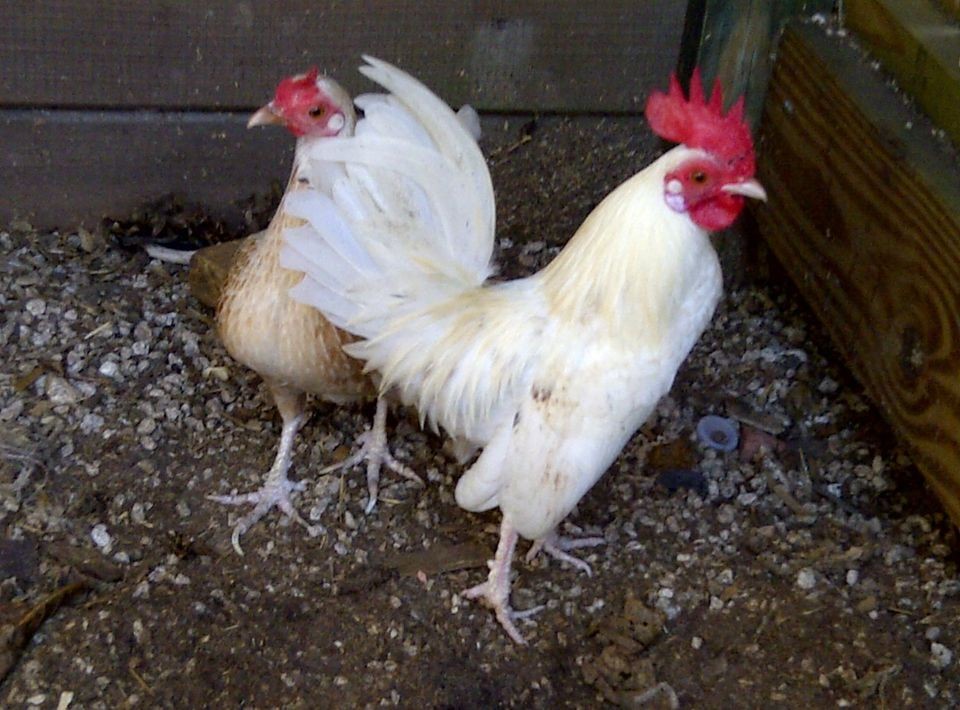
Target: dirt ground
810, 567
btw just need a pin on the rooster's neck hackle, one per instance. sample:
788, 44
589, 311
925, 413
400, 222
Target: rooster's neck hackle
631, 261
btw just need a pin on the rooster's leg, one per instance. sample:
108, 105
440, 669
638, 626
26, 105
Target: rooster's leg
496, 590
276, 489
373, 449
559, 547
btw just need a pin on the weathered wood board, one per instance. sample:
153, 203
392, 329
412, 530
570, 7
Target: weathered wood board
62, 168
919, 44
865, 215
106, 105
737, 42
499, 55
952, 7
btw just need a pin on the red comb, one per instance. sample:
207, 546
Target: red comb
699, 123
290, 89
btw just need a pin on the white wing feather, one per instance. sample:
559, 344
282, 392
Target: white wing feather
396, 250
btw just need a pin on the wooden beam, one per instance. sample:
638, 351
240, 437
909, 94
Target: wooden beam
920, 45
952, 7
737, 42
864, 214
560, 55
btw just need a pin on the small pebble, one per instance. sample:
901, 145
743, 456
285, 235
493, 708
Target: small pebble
940, 655
101, 538
806, 578
12, 410
91, 423
828, 385
59, 391
36, 306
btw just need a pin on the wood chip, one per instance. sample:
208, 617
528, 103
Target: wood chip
439, 559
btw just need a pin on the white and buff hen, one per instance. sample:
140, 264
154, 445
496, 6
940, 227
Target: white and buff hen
292, 346
551, 374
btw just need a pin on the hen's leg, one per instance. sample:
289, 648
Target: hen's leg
373, 449
496, 590
559, 547
276, 489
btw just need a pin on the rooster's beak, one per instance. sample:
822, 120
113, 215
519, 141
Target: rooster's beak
747, 188
265, 116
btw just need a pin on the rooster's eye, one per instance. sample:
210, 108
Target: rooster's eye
316, 112
699, 177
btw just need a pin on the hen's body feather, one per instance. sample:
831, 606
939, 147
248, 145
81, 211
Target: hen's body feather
292, 346
288, 344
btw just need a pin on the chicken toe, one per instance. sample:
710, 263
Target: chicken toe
374, 450
558, 548
275, 492
277, 488
495, 592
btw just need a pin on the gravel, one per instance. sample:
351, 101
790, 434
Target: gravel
808, 567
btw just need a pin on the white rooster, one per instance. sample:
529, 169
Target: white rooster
551, 374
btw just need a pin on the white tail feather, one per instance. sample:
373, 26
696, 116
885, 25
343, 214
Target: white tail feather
470, 120
407, 227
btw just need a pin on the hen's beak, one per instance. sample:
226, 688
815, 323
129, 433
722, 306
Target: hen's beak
265, 116
747, 188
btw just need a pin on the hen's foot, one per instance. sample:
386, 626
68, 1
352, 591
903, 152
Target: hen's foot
276, 492
558, 548
374, 450
277, 488
495, 592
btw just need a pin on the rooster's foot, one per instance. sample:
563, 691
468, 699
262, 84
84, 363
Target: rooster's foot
498, 600
558, 547
495, 592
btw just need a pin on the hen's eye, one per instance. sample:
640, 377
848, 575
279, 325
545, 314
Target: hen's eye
699, 177
316, 112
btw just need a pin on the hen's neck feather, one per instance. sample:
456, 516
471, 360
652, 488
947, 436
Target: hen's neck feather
281, 219
632, 260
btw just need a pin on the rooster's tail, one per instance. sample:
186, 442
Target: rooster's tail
411, 221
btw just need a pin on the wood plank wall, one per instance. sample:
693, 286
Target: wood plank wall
738, 39
920, 45
864, 213
105, 103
